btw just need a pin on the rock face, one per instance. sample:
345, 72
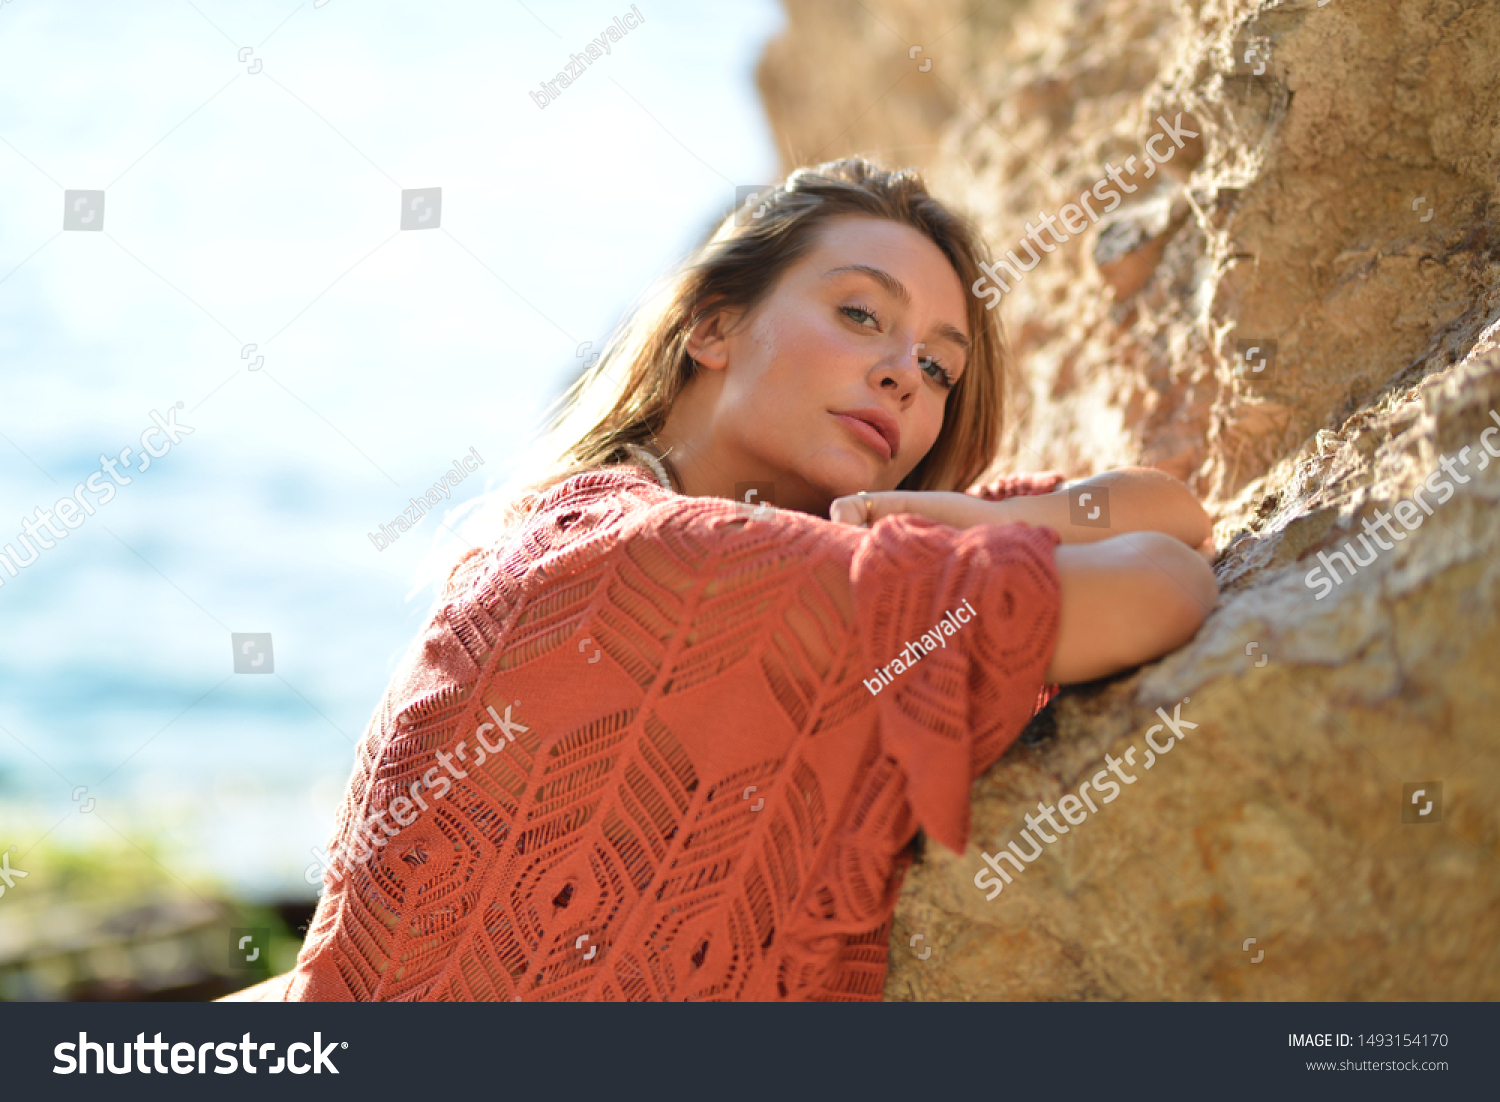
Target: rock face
1297, 312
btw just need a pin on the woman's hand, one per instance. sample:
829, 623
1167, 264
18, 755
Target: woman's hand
954, 509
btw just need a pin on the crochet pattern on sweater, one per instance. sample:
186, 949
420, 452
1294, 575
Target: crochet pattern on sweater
693, 796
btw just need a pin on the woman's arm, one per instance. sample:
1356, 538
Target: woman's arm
1141, 499
1130, 592
1127, 600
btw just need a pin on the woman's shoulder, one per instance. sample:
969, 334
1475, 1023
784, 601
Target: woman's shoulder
613, 489
580, 501
561, 526
628, 502
585, 519
533, 522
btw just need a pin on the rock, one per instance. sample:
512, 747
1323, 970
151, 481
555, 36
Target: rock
1298, 313
1129, 248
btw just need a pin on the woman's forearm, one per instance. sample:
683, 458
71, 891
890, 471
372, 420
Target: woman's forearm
1139, 499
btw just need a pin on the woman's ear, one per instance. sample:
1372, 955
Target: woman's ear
707, 343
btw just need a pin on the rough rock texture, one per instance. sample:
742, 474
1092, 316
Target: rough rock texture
1339, 201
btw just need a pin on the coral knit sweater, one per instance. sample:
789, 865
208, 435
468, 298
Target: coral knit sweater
636, 754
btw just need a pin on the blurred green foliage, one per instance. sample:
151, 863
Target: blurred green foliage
111, 920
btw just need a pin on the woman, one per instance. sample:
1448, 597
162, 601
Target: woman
672, 728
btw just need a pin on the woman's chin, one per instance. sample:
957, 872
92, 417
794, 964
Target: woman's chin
839, 471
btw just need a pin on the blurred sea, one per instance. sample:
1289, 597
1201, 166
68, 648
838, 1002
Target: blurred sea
262, 207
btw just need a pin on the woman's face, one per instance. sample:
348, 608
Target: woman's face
837, 382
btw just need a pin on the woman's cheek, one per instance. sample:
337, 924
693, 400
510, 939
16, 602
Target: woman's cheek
932, 425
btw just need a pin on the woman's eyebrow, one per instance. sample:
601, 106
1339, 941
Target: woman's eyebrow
899, 291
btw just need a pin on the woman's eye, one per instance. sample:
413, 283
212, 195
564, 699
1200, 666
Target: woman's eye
933, 367
938, 372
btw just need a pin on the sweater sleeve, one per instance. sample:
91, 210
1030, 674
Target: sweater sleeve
951, 709
1023, 485
950, 715
1015, 485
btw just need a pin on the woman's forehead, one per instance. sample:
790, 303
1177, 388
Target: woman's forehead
901, 259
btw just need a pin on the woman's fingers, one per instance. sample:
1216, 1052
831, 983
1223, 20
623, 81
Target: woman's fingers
847, 510
852, 509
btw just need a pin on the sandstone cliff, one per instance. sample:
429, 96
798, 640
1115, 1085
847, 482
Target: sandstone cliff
1298, 313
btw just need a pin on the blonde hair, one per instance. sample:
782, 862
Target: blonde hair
625, 396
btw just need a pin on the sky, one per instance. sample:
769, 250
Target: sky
252, 158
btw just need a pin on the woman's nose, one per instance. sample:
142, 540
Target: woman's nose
903, 371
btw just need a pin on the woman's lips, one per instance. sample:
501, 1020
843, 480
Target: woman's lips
867, 432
